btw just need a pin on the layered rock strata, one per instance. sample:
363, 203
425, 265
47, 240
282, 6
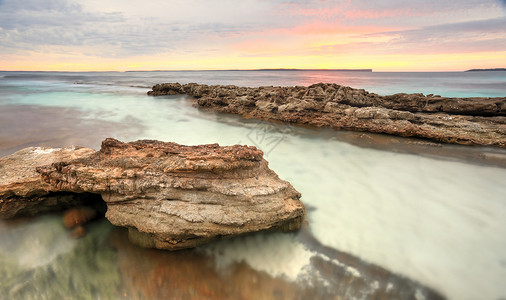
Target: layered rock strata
23, 193
469, 121
172, 196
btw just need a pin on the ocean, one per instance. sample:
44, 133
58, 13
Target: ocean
405, 216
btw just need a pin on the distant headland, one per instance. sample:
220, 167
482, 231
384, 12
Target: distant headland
482, 70
280, 69
340, 70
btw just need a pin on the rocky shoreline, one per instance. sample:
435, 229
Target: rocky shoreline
169, 196
467, 121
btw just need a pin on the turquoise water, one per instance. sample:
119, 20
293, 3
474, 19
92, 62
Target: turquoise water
430, 213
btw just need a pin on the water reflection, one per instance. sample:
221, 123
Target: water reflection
231, 270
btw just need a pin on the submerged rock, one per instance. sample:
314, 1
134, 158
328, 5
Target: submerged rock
78, 216
172, 196
78, 232
256, 267
23, 193
470, 121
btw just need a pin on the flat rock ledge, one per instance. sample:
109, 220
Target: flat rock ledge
467, 121
23, 193
168, 195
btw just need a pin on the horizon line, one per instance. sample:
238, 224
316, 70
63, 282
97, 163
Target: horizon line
261, 69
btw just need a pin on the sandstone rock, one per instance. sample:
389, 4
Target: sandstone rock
22, 193
469, 121
172, 196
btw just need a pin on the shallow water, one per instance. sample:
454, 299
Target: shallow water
432, 213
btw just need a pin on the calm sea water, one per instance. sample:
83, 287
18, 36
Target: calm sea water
430, 215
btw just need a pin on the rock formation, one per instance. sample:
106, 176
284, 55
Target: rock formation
23, 193
172, 196
469, 121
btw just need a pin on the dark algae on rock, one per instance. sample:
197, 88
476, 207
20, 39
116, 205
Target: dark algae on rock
468, 121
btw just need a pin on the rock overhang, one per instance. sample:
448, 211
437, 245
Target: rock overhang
172, 196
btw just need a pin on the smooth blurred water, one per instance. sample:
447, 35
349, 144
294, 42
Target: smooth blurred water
437, 220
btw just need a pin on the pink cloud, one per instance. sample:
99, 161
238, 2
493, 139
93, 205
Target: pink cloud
319, 27
345, 11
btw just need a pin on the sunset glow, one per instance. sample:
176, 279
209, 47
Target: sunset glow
83, 35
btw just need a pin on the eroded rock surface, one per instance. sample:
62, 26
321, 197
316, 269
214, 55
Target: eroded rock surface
23, 193
470, 121
172, 196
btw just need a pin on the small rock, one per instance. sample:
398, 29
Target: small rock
76, 217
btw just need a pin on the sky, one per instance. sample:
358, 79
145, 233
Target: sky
119, 35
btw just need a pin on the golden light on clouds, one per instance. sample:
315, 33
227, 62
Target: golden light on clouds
386, 62
388, 36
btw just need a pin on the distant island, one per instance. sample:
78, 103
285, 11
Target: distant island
280, 69
341, 70
481, 70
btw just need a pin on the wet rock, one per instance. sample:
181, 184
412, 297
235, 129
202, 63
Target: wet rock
23, 193
469, 121
172, 196
169, 89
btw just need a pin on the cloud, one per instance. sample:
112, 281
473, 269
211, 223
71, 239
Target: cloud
503, 3
127, 27
473, 36
34, 25
30, 24
378, 9
463, 37
31, 13
116, 29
